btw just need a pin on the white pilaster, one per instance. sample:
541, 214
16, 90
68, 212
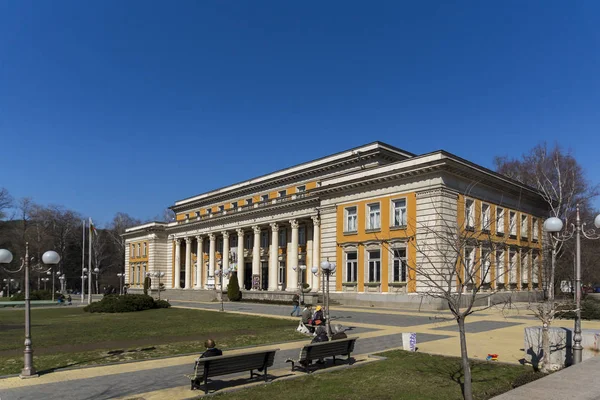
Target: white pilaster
199, 262
293, 275
188, 262
273, 257
225, 257
316, 250
256, 251
212, 255
177, 264
240, 257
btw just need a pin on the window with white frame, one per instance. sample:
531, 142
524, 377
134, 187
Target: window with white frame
220, 245
399, 266
248, 241
535, 268
282, 237
351, 266
302, 235
373, 216
469, 270
233, 241
398, 213
234, 205
485, 217
139, 274
486, 265
500, 220
524, 230
132, 252
512, 266
139, 247
524, 268
374, 261
281, 274
282, 193
144, 253
500, 273
512, 223
351, 218
264, 197
535, 228
264, 239
301, 189
470, 213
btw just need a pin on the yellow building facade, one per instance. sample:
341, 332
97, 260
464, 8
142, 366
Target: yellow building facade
376, 211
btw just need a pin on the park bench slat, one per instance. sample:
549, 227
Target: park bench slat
315, 351
231, 364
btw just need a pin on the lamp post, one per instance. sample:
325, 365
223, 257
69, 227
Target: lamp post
63, 286
157, 275
121, 276
220, 272
83, 278
45, 280
328, 269
300, 270
8, 283
49, 258
97, 273
555, 225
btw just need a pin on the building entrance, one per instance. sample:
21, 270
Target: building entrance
248, 275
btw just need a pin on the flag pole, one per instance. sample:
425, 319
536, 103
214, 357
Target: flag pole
83, 262
90, 265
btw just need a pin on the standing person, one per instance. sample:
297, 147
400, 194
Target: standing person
69, 300
296, 304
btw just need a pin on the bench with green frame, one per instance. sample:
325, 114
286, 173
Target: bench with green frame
317, 351
230, 364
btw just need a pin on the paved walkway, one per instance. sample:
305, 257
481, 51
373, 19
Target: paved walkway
378, 329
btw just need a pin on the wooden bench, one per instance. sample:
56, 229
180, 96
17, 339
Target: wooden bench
231, 364
317, 351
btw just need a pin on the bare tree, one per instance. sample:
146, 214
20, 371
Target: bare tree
561, 182
114, 230
101, 255
456, 263
6, 202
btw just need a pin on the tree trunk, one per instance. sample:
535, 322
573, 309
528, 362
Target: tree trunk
466, 366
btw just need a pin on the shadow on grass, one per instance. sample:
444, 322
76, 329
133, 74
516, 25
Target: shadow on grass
109, 354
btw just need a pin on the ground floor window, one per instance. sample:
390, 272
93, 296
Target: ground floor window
374, 265
399, 265
281, 272
351, 266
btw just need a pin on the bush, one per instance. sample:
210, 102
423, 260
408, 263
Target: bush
590, 309
527, 377
126, 303
33, 295
233, 288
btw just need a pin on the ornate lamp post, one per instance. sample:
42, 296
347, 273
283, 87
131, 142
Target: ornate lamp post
96, 272
63, 283
121, 276
328, 269
49, 258
158, 275
83, 278
45, 280
555, 225
220, 272
8, 283
300, 270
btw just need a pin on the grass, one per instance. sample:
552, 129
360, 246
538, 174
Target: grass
403, 375
64, 337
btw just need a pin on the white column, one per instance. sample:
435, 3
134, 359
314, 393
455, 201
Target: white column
177, 264
199, 262
293, 275
188, 262
225, 257
240, 257
316, 251
211, 255
256, 251
273, 257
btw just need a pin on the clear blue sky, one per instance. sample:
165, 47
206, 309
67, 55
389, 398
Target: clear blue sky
128, 106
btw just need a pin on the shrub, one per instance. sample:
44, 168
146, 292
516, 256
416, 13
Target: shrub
233, 288
527, 377
33, 295
128, 303
590, 309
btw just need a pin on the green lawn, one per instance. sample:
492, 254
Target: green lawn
403, 376
68, 336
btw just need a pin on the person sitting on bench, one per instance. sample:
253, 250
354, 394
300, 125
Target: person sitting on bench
338, 332
211, 351
306, 317
318, 318
320, 336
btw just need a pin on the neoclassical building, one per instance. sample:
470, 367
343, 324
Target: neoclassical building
367, 209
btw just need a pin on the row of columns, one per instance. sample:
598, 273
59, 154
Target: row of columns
292, 276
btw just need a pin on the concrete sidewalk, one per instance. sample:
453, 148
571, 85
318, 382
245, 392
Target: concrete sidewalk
578, 382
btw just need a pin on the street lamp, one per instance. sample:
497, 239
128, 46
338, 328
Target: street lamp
84, 276
158, 275
328, 268
63, 285
121, 276
96, 272
49, 258
300, 269
45, 280
555, 225
220, 273
8, 283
